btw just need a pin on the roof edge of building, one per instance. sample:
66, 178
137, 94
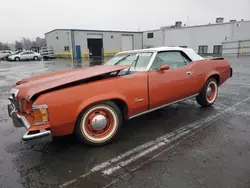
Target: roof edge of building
93, 30
203, 25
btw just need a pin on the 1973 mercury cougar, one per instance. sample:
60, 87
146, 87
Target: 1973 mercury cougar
93, 102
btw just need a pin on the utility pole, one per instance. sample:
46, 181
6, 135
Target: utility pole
187, 20
248, 9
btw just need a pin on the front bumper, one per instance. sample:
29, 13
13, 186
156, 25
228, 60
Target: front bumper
21, 121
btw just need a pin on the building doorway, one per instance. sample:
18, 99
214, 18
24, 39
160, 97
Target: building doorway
95, 47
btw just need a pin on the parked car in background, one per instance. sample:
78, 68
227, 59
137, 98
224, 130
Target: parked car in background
25, 55
47, 52
5, 53
93, 102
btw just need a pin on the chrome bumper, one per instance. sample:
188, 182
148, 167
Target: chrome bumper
21, 121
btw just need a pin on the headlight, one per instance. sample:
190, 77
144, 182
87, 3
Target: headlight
40, 114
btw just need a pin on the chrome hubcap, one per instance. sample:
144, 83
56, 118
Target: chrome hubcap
99, 122
209, 91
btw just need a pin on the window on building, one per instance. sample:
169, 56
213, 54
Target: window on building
202, 49
217, 49
150, 35
66, 48
174, 59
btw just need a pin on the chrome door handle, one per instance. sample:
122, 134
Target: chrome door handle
189, 73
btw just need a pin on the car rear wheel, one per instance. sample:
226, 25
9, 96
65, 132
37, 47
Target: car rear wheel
35, 58
208, 94
17, 59
99, 124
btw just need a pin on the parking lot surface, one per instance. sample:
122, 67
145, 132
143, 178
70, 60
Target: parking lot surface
181, 145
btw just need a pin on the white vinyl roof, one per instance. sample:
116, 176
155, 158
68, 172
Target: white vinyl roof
188, 51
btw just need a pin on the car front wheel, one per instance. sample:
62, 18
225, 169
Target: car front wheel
17, 59
99, 123
208, 94
35, 58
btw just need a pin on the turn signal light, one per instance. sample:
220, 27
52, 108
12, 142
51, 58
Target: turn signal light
40, 114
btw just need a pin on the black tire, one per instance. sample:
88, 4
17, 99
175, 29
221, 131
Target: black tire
206, 99
87, 130
17, 58
35, 58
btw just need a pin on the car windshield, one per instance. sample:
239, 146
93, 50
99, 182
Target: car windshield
17, 52
139, 61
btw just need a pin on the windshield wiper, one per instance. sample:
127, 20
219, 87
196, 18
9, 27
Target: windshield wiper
133, 64
121, 59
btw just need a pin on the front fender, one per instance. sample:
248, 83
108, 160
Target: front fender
99, 98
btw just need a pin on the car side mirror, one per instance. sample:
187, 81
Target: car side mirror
164, 67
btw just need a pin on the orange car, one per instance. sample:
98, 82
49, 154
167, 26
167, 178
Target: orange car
93, 102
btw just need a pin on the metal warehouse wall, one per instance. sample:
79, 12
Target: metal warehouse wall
156, 41
112, 41
58, 39
209, 35
193, 37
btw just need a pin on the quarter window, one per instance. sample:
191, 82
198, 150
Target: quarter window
174, 59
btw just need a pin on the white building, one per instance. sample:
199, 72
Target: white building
84, 43
204, 39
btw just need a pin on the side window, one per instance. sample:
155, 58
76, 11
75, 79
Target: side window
174, 59
24, 53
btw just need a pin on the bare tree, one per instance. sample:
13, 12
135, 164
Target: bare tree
26, 43
18, 45
4, 46
40, 42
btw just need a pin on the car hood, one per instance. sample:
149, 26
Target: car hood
35, 85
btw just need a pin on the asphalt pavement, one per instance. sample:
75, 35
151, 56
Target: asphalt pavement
181, 145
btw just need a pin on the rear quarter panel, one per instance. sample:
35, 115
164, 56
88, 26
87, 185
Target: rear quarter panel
65, 105
204, 69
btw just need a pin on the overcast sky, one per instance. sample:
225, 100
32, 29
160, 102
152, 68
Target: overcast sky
31, 18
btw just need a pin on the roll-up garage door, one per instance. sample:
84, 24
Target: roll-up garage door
127, 42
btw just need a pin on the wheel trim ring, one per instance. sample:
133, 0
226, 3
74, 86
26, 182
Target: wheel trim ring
213, 95
89, 136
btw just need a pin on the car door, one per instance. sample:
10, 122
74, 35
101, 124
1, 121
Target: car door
31, 55
170, 85
24, 56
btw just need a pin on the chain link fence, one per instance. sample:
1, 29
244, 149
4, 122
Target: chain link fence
236, 48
